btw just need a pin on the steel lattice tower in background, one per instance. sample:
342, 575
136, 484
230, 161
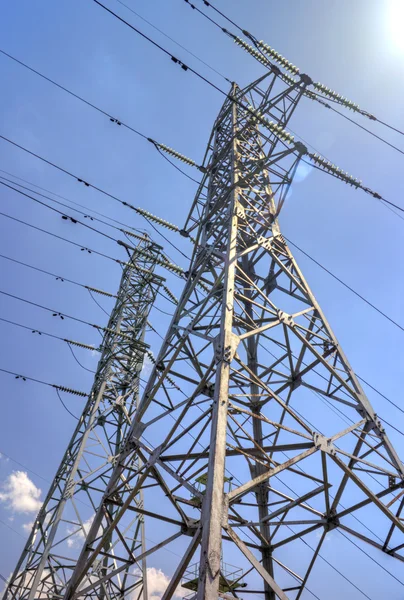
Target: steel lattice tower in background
51, 551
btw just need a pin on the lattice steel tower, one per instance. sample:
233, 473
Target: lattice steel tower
222, 444
51, 551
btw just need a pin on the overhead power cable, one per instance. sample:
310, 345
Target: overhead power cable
143, 213
81, 246
280, 132
140, 211
283, 62
372, 133
103, 112
89, 211
64, 216
57, 388
51, 335
63, 315
346, 285
86, 216
370, 557
174, 41
61, 278
69, 173
61, 388
324, 164
183, 66
63, 170
178, 270
172, 267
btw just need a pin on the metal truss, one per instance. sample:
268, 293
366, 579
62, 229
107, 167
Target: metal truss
50, 553
223, 444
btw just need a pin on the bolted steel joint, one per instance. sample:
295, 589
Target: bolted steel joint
324, 444
285, 318
332, 521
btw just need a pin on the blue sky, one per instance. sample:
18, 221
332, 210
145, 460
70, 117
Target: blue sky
350, 46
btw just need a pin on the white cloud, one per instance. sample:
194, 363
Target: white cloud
28, 526
329, 535
20, 494
157, 582
147, 366
77, 535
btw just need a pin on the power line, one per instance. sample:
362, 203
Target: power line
183, 66
380, 393
88, 210
65, 89
292, 243
124, 231
367, 190
163, 262
138, 211
332, 566
78, 362
357, 185
370, 557
80, 222
75, 221
254, 40
65, 407
346, 285
378, 137
186, 68
234, 100
15, 531
47, 334
81, 246
174, 41
98, 304
97, 108
69, 173
57, 277
3, 179
24, 466
57, 388
52, 385
54, 312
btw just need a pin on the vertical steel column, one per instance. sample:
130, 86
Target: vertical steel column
214, 510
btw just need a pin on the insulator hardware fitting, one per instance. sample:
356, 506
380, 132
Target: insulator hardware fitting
327, 166
62, 388
251, 50
273, 127
157, 220
335, 96
97, 291
278, 57
80, 345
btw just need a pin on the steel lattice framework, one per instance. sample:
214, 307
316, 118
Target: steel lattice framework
50, 553
231, 467
222, 445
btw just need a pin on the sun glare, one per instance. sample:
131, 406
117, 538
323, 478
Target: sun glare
396, 23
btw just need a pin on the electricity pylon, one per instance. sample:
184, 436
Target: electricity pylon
50, 553
226, 443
